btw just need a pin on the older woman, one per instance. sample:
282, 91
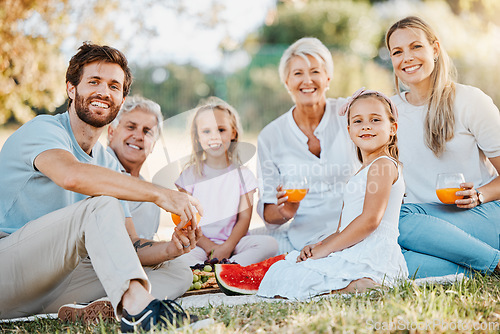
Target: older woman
444, 127
311, 141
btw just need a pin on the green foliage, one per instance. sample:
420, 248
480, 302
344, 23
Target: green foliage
351, 30
33, 32
29, 63
175, 88
486, 10
342, 25
258, 94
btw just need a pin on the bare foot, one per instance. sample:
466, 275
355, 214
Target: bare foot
136, 298
359, 285
279, 297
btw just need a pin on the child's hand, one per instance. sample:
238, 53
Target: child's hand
319, 252
306, 252
222, 251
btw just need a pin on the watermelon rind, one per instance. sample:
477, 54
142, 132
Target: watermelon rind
226, 288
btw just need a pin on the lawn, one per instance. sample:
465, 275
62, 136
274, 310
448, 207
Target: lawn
463, 307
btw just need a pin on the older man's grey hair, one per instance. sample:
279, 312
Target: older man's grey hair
138, 102
306, 46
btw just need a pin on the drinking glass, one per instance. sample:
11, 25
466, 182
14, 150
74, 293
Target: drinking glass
295, 186
447, 184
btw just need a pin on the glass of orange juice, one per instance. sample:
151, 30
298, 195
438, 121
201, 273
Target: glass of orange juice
295, 186
447, 184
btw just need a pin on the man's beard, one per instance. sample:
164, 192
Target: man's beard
83, 112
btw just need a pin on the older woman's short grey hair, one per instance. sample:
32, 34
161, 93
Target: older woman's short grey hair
306, 46
138, 102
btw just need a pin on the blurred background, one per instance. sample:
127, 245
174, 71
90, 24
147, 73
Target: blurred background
182, 51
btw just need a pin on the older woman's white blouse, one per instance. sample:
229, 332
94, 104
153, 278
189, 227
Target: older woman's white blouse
476, 137
282, 149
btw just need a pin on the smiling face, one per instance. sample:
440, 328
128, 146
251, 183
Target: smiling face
369, 125
99, 95
133, 138
215, 132
412, 56
307, 83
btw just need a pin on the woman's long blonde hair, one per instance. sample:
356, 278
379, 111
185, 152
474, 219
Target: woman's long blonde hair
198, 154
440, 119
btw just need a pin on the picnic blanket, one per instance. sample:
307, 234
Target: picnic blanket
219, 298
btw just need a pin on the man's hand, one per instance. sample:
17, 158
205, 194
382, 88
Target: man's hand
183, 241
181, 204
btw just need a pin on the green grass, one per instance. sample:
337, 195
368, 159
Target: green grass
463, 307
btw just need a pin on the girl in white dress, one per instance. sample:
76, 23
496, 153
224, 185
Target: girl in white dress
363, 253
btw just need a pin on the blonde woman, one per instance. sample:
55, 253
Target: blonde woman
444, 126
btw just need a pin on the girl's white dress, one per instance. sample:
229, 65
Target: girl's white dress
378, 256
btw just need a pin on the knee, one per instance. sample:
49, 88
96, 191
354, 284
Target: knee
409, 208
106, 204
104, 201
179, 268
272, 246
185, 274
408, 216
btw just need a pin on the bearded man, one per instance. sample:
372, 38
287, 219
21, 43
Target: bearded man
63, 200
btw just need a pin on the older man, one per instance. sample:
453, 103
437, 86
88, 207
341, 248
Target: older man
131, 138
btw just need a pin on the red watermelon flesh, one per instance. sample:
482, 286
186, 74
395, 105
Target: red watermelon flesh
234, 279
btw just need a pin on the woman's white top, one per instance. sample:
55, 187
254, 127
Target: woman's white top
283, 150
476, 138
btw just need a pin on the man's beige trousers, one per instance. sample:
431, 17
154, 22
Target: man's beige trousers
37, 261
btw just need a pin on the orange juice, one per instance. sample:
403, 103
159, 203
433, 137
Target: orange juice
295, 195
447, 195
177, 219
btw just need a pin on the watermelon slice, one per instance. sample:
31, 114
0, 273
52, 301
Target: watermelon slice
234, 279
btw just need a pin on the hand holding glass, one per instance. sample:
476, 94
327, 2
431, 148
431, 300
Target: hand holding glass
447, 184
296, 187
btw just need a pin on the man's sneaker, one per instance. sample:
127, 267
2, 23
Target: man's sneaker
158, 313
89, 313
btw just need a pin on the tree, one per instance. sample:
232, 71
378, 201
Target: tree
31, 63
35, 32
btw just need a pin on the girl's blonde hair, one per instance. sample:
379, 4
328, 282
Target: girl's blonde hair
391, 148
198, 155
439, 120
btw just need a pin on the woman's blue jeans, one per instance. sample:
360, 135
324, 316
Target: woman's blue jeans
439, 239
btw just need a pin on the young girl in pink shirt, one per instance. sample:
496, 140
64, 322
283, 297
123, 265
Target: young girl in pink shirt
224, 188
